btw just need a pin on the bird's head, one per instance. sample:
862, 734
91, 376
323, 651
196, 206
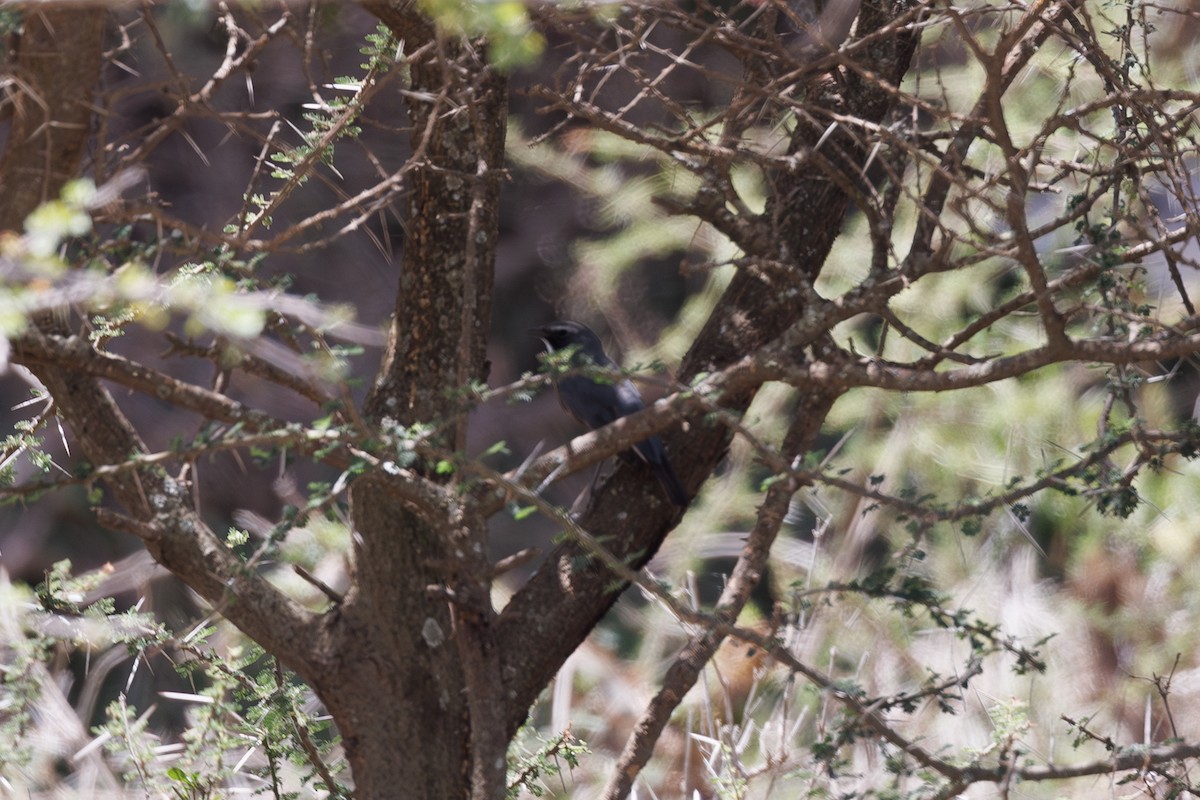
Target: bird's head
561, 334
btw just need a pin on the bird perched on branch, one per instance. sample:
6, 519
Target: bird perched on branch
595, 403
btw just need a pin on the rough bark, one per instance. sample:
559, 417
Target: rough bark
57, 63
59, 60
804, 218
425, 681
686, 669
416, 694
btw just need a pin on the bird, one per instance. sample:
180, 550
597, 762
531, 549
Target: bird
596, 403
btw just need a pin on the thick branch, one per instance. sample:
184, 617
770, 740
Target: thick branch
183, 543
34, 348
59, 63
686, 669
753, 311
418, 620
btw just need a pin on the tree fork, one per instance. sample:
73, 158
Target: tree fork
752, 311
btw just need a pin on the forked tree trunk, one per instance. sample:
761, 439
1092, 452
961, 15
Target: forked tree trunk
417, 694
425, 682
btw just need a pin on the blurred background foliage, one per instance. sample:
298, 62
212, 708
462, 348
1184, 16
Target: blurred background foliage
1108, 599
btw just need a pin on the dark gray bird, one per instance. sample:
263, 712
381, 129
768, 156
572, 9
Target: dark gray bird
595, 403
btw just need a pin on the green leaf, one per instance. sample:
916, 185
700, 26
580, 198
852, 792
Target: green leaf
499, 447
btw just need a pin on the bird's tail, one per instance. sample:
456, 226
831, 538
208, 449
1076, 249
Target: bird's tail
670, 482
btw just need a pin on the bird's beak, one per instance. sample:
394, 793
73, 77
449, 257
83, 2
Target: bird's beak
541, 334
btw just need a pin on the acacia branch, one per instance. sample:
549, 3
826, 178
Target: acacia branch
839, 371
1137, 757
862, 372
59, 57
182, 542
34, 348
753, 311
746, 574
233, 62
1020, 43
253, 365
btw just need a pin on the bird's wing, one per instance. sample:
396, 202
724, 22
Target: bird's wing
629, 399
593, 404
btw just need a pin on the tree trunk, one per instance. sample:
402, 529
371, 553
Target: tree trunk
425, 682
59, 54
418, 692
396, 687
